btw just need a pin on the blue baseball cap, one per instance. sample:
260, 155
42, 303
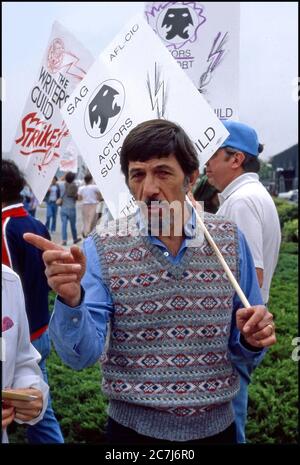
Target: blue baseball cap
241, 137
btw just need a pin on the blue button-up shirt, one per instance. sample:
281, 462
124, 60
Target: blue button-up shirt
79, 333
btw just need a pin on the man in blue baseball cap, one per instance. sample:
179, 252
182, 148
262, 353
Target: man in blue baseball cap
241, 137
233, 170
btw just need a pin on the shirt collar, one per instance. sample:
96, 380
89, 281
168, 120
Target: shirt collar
238, 182
10, 207
189, 226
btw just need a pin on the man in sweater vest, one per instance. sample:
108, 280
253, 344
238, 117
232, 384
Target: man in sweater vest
155, 304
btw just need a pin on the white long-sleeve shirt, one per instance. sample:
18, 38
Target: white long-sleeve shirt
247, 202
19, 357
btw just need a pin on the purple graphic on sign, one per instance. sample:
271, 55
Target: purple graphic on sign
214, 59
176, 23
157, 92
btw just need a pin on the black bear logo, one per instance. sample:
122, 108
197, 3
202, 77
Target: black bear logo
179, 19
103, 107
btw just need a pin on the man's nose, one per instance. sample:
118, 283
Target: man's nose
150, 187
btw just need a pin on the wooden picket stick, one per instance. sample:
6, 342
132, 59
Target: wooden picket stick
227, 270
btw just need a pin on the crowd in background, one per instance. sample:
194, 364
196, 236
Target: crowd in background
61, 199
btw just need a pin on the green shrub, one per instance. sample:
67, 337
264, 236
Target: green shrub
51, 299
78, 401
273, 392
290, 231
288, 248
286, 210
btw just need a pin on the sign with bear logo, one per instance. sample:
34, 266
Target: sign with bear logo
204, 40
103, 107
134, 79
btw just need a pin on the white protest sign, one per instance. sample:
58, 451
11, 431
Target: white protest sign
204, 39
42, 135
133, 80
69, 159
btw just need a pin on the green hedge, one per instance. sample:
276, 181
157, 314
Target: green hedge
286, 210
78, 401
290, 231
273, 392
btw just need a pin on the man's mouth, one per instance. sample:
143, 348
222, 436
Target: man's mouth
153, 203
157, 208
154, 206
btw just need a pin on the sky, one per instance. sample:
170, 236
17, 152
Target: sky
268, 89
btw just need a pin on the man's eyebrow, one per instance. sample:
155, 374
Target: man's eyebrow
163, 167
155, 168
135, 170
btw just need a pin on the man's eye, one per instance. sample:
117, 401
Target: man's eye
163, 173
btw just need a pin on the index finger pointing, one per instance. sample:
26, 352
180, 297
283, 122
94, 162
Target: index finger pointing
40, 242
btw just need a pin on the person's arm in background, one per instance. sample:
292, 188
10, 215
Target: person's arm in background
79, 196
238, 345
15, 245
243, 212
58, 193
71, 190
260, 276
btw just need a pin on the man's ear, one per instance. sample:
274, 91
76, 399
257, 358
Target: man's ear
237, 159
192, 179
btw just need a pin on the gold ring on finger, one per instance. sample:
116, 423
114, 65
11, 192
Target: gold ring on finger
272, 328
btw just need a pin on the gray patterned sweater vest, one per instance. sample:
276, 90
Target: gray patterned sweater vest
166, 370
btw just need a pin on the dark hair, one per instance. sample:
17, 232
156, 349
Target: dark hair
158, 138
87, 178
70, 177
203, 190
250, 163
12, 182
